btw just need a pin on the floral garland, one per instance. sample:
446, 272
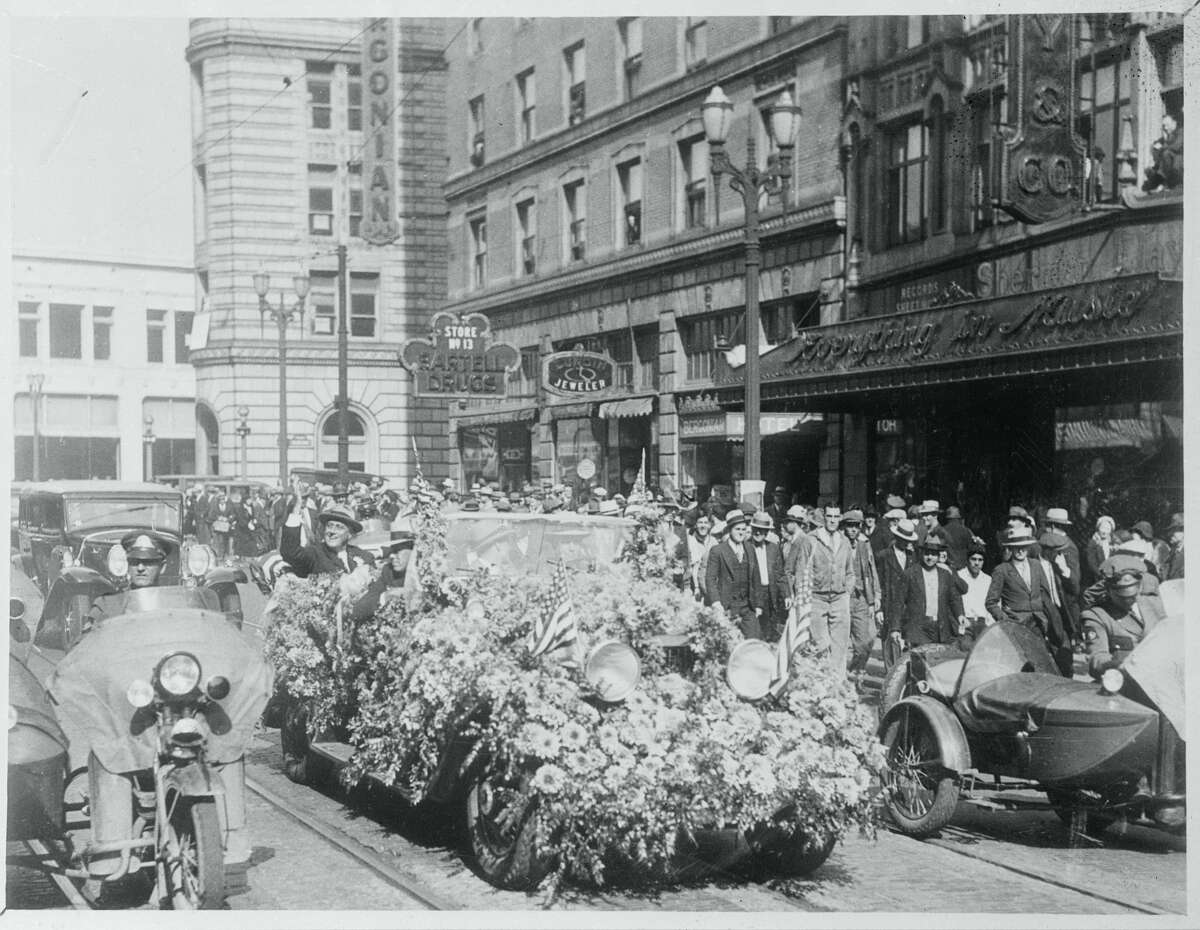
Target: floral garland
681, 754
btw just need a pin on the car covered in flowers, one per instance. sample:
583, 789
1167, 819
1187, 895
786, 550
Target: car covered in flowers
585, 722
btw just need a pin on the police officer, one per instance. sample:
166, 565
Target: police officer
1114, 625
145, 553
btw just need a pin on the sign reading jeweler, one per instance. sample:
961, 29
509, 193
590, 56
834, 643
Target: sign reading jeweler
578, 373
459, 359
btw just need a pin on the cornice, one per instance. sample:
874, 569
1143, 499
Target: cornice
265, 352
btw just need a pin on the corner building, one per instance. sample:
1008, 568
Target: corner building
280, 122
582, 214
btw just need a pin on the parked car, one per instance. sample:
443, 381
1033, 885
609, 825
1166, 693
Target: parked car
1002, 719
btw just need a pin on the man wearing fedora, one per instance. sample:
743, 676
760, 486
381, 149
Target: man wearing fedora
389, 585
931, 608
930, 513
826, 575
866, 612
727, 576
883, 536
893, 564
331, 552
958, 537
778, 507
1116, 624
770, 594
1022, 593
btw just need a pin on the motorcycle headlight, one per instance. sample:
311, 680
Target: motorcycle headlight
16, 608
613, 670
178, 674
200, 560
118, 562
217, 687
139, 693
750, 669
1112, 680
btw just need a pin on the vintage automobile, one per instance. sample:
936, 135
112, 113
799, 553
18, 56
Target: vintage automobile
992, 724
499, 828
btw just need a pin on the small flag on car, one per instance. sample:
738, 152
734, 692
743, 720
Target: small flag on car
554, 624
638, 492
796, 632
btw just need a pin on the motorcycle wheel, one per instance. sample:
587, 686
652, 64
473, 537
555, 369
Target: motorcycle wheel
920, 794
194, 865
501, 832
895, 684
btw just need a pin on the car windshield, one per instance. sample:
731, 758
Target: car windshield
531, 544
99, 513
1005, 648
139, 600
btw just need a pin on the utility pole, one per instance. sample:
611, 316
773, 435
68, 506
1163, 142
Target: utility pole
343, 398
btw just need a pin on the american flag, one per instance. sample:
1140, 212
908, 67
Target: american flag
796, 632
554, 624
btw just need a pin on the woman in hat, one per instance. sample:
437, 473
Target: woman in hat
331, 552
1099, 547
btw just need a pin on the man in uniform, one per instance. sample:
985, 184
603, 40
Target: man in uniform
145, 554
1114, 625
333, 552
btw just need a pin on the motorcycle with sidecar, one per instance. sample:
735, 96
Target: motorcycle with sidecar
991, 725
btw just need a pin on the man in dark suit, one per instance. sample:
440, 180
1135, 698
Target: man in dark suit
958, 538
727, 577
931, 609
892, 565
777, 509
1021, 592
332, 553
770, 593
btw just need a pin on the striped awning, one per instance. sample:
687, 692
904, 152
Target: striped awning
492, 417
631, 407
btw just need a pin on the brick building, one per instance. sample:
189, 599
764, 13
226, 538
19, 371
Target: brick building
281, 119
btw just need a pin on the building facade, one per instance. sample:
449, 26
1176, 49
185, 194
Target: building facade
585, 225
285, 114
100, 371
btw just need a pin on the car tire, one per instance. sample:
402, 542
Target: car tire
502, 835
299, 763
794, 854
920, 793
895, 684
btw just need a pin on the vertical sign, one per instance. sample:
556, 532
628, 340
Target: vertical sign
1043, 169
379, 69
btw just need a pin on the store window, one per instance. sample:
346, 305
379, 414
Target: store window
527, 105
907, 211
27, 315
156, 335
174, 434
79, 436
102, 323
479, 452
579, 451
66, 334
320, 95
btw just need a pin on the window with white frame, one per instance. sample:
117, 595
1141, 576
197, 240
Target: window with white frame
629, 31
475, 128
321, 182
354, 98
629, 180
695, 42
478, 229
356, 197
575, 220
693, 164
28, 314
102, 323
66, 331
575, 70
527, 105
156, 335
364, 292
319, 81
527, 237
322, 301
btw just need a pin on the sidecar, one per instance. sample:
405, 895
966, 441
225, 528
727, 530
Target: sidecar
1102, 751
37, 756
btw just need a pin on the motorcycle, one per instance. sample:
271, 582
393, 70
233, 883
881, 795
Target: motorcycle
161, 700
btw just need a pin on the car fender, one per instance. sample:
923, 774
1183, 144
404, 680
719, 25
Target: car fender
81, 575
193, 781
226, 574
952, 739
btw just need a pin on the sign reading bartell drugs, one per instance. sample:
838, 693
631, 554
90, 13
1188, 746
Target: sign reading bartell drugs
459, 359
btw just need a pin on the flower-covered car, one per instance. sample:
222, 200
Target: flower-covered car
584, 720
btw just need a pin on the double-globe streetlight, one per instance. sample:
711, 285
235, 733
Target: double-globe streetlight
751, 182
282, 316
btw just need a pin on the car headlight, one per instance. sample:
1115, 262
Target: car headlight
1112, 680
750, 669
118, 562
178, 674
613, 670
200, 560
139, 693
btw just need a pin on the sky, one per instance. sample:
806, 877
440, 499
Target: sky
101, 136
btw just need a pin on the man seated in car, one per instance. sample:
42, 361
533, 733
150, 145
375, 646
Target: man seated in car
332, 552
1113, 626
389, 586
145, 554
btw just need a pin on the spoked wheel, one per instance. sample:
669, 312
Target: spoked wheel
192, 863
920, 792
895, 684
77, 804
501, 829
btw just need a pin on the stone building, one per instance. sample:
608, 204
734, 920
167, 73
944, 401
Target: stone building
282, 122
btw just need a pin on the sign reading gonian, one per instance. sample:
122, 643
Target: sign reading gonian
459, 359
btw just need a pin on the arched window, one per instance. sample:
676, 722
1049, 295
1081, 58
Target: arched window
356, 432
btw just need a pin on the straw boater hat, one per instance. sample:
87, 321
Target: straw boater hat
340, 513
930, 507
1018, 537
906, 529
734, 517
609, 508
896, 513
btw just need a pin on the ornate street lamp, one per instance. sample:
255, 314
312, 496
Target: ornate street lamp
148, 438
282, 316
243, 432
751, 182
35, 400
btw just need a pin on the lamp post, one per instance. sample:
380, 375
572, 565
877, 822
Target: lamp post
751, 182
243, 432
148, 438
282, 316
35, 398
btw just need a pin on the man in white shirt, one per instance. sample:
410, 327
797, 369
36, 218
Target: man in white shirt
974, 582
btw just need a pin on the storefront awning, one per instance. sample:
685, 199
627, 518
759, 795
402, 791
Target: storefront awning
731, 425
633, 407
571, 411
492, 417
